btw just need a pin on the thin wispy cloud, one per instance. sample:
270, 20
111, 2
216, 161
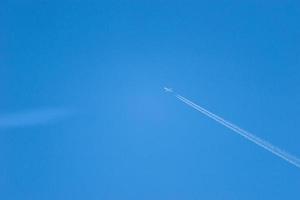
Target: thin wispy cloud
32, 117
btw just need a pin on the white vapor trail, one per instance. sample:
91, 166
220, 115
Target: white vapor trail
249, 136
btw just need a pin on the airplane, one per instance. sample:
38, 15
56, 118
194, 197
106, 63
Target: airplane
168, 89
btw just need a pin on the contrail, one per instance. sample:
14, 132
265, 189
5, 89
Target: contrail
32, 117
249, 136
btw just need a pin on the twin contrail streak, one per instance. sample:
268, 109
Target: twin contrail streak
249, 136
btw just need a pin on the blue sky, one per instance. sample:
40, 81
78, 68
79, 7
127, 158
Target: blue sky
104, 63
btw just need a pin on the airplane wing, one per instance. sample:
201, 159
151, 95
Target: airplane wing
168, 89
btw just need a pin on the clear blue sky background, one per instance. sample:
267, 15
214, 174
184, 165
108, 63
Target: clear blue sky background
107, 61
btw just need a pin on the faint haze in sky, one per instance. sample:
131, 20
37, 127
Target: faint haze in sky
32, 117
